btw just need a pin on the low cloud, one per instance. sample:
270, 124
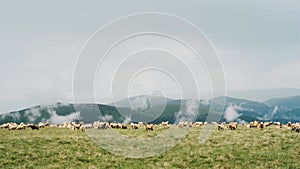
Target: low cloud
270, 115
188, 111
140, 103
33, 114
106, 118
57, 119
231, 113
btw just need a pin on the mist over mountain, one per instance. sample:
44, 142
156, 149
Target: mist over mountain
158, 109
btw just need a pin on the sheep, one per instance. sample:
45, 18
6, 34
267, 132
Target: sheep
47, 124
124, 126
185, 124
4, 126
149, 127
21, 126
165, 123
260, 125
254, 124
277, 123
266, 124
12, 126
181, 124
33, 126
221, 127
135, 126
233, 126
198, 124
41, 125
297, 129
82, 128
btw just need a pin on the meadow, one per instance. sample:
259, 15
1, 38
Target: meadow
63, 148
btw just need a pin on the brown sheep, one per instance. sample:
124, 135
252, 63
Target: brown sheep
221, 127
149, 127
260, 125
124, 126
233, 126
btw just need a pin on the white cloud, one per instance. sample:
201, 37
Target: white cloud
188, 111
106, 118
33, 113
57, 119
140, 103
231, 114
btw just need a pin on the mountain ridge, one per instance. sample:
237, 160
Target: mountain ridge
242, 109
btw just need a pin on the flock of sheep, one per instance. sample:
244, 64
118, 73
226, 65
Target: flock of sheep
258, 124
104, 125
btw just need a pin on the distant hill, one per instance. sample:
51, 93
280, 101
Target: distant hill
262, 95
285, 103
141, 108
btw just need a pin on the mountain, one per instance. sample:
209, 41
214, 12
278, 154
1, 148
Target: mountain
287, 103
265, 94
158, 109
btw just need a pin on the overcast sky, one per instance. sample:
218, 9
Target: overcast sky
258, 43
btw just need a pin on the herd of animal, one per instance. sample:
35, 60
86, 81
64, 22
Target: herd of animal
260, 125
105, 125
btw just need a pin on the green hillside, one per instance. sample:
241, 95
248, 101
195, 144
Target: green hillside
63, 148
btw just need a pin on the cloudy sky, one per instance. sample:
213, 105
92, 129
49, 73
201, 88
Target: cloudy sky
258, 43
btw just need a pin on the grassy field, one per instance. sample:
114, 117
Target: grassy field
62, 148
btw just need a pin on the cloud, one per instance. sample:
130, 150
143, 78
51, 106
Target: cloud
57, 119
106, 118
231, 114
188, 111
127, 120
270, 115
140, 103
33, 113
40, 70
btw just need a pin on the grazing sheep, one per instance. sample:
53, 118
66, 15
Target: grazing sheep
82, 128
253, 124
102, 126
33, 126
165, 123
198, 124
297, 129
266, 124
221, 127
4, 126
12, 126
233, 126
47, 124
149, 127
21, 126
277, 123
124, 126
135, 126
260, 125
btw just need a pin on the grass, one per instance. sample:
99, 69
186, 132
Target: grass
62, 148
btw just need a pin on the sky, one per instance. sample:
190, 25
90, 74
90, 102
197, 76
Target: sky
258, 43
